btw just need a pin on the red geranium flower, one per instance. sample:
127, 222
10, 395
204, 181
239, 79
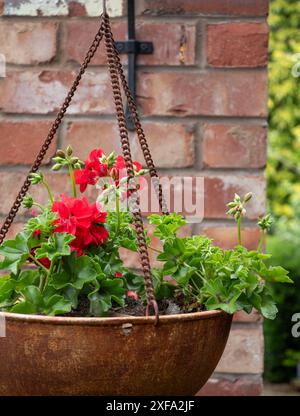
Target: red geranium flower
82, 220
132, 294
93, 170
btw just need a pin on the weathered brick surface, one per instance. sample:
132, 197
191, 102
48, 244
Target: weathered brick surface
21, 141
178, 142
163, 93
232, 7
208, 93
233, 145
242, 316
244, 351
237, 44
61, 8
80, 36
226, 236
219, 190
28, 43
43, 92
233, 386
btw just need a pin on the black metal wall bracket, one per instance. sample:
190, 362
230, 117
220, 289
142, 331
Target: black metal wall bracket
132, 48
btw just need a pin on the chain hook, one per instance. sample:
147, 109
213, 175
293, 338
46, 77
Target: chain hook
104, 7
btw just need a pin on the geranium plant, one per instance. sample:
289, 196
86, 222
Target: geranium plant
67, 258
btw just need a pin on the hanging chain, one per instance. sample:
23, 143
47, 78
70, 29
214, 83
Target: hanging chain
125, 144
37, 163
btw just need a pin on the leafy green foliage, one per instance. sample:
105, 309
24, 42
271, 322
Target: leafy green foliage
283, 170
15, 252
229, 280
280, 346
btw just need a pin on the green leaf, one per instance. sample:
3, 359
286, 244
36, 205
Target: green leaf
101, 301
56, 305
57, 246
77, 272
7, 287
33, 295
24, 307
15, 252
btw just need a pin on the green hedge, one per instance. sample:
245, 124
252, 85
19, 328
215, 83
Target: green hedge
281, 349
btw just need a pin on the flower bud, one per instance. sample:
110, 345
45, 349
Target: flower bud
56, 167
27, 202
77, 165
74, 160
58, 159
248, 196
114, 173
61, 153
36, 178
69, 151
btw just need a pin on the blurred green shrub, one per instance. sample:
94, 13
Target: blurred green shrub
282, 350
283, 172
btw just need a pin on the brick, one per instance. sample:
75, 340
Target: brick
178, 141
232, 7
242, 316
234, 146
11, 182
35, 8
237, 44
28, 43
233, 386
42, 92
219, 190
163, 93
21, 141
1, 7
80, 36
244, 351
209, 93
15, 228
91, 8
226, 236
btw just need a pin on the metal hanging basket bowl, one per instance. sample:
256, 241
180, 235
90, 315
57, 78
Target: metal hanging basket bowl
127, 356
43, 355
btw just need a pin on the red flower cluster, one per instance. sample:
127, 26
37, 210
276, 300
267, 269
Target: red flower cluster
82, 220
94, 170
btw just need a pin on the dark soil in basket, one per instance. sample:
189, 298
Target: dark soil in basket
135, 307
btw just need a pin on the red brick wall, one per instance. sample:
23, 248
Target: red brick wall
211, 110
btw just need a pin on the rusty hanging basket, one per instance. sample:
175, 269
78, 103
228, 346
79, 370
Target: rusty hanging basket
43, 355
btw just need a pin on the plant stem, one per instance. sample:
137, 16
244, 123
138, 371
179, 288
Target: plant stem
155, 249
35, 204
118, 214
46, 185
239, 231
49, 273
71, 171
37, 263
261, 241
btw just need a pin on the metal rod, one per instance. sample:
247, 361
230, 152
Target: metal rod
131, 60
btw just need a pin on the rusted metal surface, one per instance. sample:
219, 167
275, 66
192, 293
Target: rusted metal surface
43, 355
